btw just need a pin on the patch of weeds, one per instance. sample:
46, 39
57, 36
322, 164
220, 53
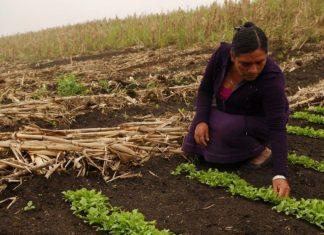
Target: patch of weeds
41, 93
68, 85
104, 85
53, 123
30, 206
178, 81
131, 89
151, 84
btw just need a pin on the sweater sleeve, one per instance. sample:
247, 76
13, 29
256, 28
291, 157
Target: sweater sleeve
276, 111
206, 89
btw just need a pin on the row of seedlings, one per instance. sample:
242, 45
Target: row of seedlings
310, 210
95, 209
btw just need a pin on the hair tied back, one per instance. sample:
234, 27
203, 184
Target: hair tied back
244, 26
247, 38
248, 25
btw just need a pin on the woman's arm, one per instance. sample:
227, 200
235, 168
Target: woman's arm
206, 89
275, 106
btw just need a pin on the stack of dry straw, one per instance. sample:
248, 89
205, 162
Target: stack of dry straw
41, 151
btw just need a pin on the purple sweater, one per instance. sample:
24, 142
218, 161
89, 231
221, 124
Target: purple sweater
265, 97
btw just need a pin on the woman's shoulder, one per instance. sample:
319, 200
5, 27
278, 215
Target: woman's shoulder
225, 47
221, 54
272, 76
271, 67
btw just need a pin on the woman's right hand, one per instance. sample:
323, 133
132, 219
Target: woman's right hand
202, 134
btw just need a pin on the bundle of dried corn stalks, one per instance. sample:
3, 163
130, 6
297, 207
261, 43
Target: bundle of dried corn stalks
63, 110
43, 151
310, 95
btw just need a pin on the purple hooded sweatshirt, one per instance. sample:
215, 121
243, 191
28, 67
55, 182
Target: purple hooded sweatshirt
263, 98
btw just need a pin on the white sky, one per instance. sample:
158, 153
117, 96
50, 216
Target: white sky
19, 16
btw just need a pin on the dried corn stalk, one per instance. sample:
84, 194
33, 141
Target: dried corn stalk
313, 94
64, 109
41, 151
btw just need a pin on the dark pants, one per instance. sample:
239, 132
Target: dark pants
233, 138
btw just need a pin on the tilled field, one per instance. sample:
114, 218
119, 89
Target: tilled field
146, 108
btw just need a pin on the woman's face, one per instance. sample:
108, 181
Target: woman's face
249, 65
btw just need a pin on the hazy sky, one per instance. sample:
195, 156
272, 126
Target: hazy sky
18, 16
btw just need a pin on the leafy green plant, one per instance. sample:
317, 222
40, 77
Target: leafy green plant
68, 85
316, 109
314, 118
30, 206
307, 162
95, 209
305, 131
311, 210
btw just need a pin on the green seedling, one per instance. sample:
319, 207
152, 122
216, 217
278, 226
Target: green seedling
30, 206
125, 115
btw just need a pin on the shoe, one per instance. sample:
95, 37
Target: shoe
252, 166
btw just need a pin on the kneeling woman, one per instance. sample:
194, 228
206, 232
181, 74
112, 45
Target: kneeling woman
242, 109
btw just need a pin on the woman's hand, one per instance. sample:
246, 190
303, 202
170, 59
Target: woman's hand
202, 134
281, 187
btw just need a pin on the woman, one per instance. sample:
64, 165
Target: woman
242, 109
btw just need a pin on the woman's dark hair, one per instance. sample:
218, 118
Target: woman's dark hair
248, 38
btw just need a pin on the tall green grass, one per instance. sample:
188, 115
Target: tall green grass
289, 22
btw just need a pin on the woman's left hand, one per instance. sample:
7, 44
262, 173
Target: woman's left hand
281, 187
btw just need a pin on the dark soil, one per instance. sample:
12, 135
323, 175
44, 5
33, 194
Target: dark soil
175, 202
114, 118
304, 76
184, 206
